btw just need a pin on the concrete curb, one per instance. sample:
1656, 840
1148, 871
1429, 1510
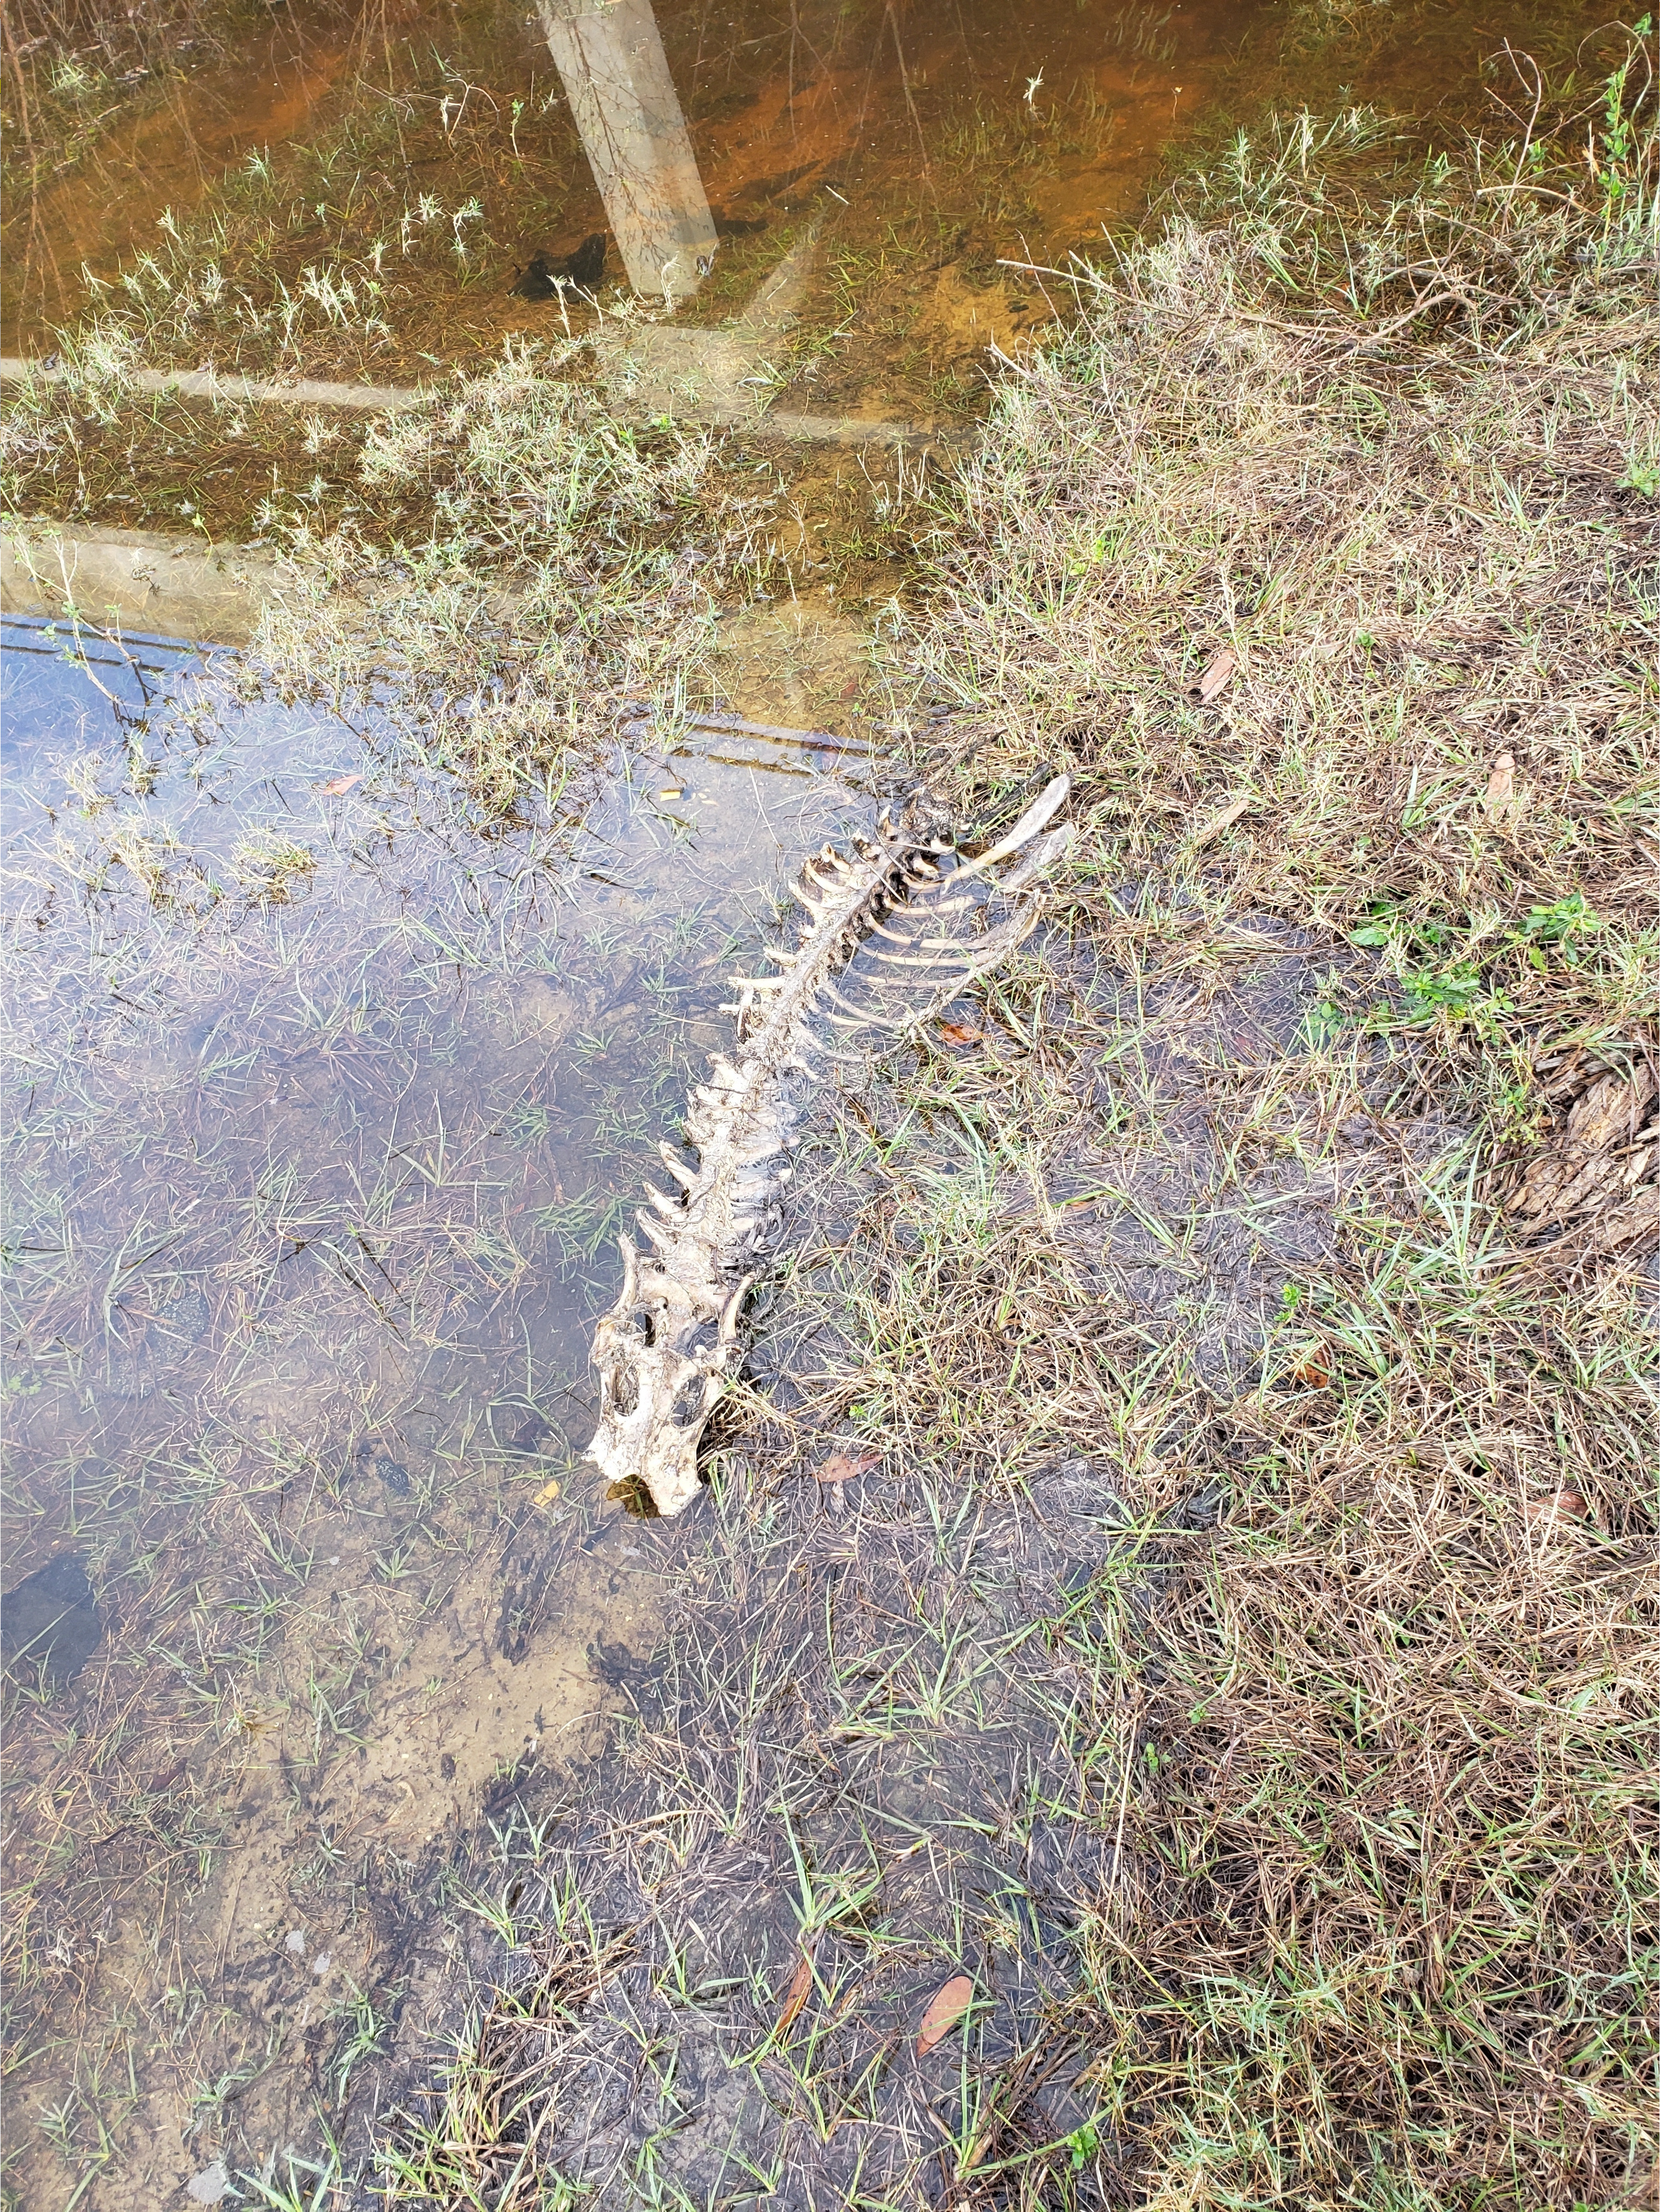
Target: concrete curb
136, 580
208, 384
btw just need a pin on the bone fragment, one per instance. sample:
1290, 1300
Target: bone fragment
662, 1353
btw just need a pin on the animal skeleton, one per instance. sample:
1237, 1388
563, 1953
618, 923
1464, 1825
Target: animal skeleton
896, 929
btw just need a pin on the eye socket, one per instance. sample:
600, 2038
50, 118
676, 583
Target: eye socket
688, 1408
623, 1390
646, 1327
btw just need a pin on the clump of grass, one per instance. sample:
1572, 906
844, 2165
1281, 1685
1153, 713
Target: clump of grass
272, 867
145, 853
1321, 551
555, 577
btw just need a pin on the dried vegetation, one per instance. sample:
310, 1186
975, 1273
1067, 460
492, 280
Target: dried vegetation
1376, 454
1247, 1308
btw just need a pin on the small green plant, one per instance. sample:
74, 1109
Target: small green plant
271, 866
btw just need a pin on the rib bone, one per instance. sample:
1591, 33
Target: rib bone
662, 1352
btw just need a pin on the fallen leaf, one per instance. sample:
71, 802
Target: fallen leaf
796, 1995
945, 2008
954, 1033
841, 1467
1225, 820
1501, 785
1316, 1371
1560, 1505
339, 783
1218, 676
546, 1494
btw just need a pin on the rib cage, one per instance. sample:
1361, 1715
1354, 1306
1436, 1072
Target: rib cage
896, 929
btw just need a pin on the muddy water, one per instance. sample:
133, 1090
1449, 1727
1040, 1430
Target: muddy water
167, 145
941, 156
326, 1099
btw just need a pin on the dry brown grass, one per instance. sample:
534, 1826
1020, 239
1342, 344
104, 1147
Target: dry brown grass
1380, 1932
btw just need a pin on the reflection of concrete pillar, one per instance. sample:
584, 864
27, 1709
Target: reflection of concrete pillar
617, 82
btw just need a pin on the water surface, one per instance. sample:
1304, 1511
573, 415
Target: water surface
327, 1094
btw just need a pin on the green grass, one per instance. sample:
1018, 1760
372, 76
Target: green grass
1247, 1622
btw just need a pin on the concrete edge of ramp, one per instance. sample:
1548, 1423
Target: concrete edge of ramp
134, 580
208, 384
389, 399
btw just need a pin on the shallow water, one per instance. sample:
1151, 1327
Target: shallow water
940, 157
171, 142
327, 1096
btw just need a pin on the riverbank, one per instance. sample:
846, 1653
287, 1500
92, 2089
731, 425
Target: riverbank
1175, 1599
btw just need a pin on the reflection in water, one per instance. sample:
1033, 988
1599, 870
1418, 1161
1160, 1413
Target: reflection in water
944, 155
327, 1097
617, 79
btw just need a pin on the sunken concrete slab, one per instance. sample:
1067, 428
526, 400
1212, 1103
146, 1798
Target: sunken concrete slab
136, 580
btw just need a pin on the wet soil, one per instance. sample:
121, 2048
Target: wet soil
332, 1092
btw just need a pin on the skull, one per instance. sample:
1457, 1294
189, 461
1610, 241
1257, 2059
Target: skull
660, 1354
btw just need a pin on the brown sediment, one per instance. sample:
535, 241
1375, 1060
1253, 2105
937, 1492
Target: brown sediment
165, 159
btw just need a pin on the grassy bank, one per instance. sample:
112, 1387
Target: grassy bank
1234, 1653
1324, 552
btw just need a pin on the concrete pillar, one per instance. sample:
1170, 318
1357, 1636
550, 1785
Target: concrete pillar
617, 79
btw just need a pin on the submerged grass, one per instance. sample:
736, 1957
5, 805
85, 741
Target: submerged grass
1244, 1606
1233, 1652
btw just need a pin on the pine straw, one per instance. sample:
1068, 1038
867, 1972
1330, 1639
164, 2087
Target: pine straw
1392, 1889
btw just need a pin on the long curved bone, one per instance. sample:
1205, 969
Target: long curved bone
903, 924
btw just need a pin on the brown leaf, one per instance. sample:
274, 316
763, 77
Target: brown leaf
954, 1033
1598, 1158
945, 2008
841, 1467
1218, 675
1501, 785
333, 789
1225, 820
1560, 1505
798, 1991
1315, 1372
